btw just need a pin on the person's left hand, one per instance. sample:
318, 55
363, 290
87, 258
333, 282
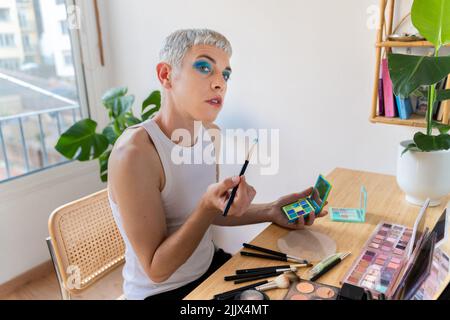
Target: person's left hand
277, 216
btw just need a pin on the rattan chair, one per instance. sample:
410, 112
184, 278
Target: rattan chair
87, 249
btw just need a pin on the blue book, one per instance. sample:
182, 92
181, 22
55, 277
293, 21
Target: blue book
404, 107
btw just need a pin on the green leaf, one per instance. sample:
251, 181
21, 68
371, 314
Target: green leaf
443, 95
431, 19
432, 143
411, 146
131, 120
120, 105
153, 99
110, 134
409, 72
114, 93
443, 128
81, 142
103, 161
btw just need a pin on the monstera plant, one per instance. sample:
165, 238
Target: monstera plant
409, 72
423, 164
81, 141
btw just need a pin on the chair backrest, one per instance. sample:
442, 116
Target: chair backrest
86, 241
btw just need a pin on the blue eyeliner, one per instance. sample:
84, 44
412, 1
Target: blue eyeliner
199, 65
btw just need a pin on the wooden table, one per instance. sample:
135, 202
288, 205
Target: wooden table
385, 201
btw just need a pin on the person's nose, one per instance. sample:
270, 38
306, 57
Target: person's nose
218, 83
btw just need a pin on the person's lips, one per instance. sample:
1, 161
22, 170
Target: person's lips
216, 101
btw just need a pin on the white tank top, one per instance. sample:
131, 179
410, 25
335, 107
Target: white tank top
185, 184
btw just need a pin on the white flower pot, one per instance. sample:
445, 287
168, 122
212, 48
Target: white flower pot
423, 175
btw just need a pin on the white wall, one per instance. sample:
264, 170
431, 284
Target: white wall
304, 67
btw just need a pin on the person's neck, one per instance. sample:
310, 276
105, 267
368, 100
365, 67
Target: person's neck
169, 119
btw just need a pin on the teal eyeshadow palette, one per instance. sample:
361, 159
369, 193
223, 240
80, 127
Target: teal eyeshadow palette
382, 258
297, 209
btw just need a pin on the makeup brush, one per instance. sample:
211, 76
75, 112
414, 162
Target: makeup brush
289, 273
280, 282
258, 273
244, 167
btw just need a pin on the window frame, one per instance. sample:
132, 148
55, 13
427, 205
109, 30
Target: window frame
55, 173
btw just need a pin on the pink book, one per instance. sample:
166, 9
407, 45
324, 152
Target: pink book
389, 104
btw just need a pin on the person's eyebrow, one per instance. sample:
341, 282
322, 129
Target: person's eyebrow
214, 61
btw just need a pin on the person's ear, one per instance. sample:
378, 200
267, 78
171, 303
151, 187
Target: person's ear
164, 72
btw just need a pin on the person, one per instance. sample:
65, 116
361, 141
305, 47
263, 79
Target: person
163, 209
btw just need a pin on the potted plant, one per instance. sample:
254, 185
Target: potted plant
81, 141
423, 166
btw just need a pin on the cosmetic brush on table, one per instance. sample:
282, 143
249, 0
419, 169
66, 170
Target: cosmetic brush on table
244, 167
273, 255
326, 265
258, 273
289, 273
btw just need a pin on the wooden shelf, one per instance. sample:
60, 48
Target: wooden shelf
414, 121
407, 44
382, 46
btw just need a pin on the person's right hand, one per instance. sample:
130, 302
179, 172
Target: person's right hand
216, 197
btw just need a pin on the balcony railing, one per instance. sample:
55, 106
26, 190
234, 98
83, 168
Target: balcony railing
27, 140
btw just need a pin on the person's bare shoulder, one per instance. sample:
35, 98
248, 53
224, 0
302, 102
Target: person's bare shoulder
134, 156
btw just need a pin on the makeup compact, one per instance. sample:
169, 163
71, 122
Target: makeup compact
351, 214
384, 255
311, 204
251, 294
308, 290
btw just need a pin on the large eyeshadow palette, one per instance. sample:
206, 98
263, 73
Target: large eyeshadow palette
297, 209
440, 269
382, 258
308, 290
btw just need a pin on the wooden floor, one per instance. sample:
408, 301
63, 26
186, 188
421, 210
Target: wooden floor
45, 288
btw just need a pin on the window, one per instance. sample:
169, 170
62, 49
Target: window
22, 19
7, 40
4, 15
64, 27
26, 42
67, 55
41, 86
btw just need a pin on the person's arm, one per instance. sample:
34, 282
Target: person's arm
135, 177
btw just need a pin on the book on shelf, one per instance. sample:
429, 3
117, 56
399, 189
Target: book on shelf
440, 112
380, 97
404, 107
388, 93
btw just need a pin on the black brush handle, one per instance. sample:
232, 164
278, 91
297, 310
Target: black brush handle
245, 271
261, 276
275, 253
249, 275
257, 255
233, 192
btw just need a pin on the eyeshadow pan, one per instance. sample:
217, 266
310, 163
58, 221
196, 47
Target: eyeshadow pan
374, 245
305, 287
396, 260
325, 293
307, 290
393, 265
